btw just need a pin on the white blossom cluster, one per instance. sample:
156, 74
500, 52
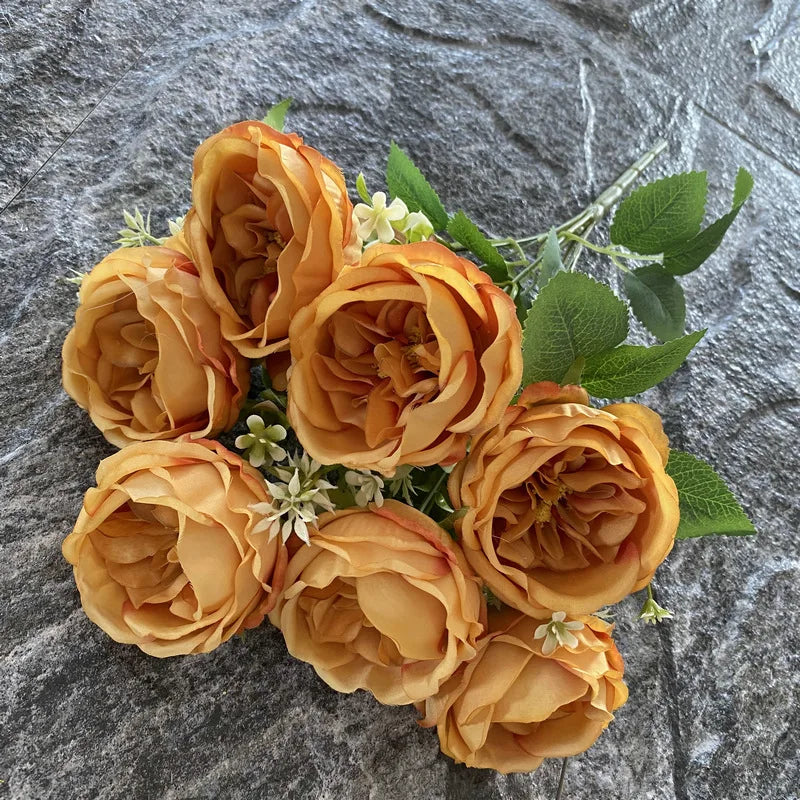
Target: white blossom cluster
297, 499
379, 222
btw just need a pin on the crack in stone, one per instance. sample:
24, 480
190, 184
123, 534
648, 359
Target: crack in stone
588, 134
76, 128
451, 40
791, 291
739, 135
765, 42
520, 140
415, 33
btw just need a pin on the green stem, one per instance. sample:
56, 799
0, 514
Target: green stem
530, 267
428, 501
612, 251
585, 221
456, 247
611, 196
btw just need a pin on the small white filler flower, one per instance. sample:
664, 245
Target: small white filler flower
261, 446
416, 227
402, 484
366, 487
557, 633
652, 613
376, 219
296, 502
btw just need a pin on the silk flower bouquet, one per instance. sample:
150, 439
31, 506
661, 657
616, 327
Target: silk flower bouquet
431, 503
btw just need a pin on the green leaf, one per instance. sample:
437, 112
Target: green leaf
551, 259
523, 304
463, 230
361, 188
406, 182
657, 300
690, 255
707, 505
630, 369
572, 316
661, 215
277, 114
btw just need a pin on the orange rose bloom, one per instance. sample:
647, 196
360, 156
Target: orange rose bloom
568, 507
164, 552
401, 360
270, 228
512, 706
146, 357
383, 600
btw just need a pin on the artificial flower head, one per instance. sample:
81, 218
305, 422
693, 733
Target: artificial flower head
401, 361
165, 552
146, 357
567, 507
270, 227
382, 599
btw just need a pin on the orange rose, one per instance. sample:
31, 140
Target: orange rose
513, 705
568, 507
382, 600
146, 357
270, 228
164, 552
401, 360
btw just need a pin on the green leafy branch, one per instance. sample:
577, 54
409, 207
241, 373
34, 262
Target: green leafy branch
575, 328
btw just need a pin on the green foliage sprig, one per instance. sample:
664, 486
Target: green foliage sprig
574, 327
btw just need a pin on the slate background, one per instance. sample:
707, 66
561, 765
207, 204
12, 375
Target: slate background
520, 112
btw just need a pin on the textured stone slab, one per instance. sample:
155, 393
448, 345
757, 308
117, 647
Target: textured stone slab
57, 62
519, 112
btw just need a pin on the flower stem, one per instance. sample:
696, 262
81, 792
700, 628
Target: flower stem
581, 225
431, 496
609, 251
608, 199
561, 779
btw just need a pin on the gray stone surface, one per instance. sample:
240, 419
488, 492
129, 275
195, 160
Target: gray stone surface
519, 110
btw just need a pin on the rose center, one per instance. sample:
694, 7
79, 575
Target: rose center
382, 361
337, 618
138, 545
253, 229
576, 510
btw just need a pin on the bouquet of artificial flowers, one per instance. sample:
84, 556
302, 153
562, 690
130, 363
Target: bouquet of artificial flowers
427, 502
